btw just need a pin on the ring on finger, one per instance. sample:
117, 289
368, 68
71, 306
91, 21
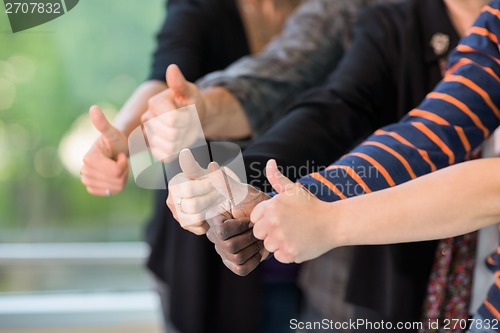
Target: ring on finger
179, 206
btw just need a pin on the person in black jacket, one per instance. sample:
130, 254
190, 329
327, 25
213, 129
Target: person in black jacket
399, 54
200, 36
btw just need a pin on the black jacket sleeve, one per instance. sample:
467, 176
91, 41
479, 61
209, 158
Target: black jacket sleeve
357, 98
181, 40
200, 36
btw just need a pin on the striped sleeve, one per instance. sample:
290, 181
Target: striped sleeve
444, 129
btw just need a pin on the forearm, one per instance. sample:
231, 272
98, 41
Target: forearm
130, 114
450, 202
446, 128
224, 116
302, 57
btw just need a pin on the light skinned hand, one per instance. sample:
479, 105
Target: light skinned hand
197, 194
170, 130
191, 194
292, 224
105, 166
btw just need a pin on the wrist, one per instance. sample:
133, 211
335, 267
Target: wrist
338, 227
129, 117
223, 115
210, 100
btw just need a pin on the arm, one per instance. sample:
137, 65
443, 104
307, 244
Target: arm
129, 117
309, 48
450, 202
223, 115
180, 41
105, 168
340, 112
198, 196
252, 93
442, 131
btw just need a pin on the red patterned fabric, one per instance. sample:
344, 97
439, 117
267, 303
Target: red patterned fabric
450, 283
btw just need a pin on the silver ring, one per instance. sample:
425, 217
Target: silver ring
108, 192
179, 205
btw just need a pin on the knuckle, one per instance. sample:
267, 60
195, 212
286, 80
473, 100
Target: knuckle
241, 270
231, 247
198, 231
239, 258
282, 257
170, 204
192, 206
210, 235
86, 159
153, 102
150, 104
220, 232
195, 229
260, 245
116, 172
187, 190
220, 252
196, 205
226, 245
274, 220
199, 218
215, 220
289, 252
258, 230
186, 225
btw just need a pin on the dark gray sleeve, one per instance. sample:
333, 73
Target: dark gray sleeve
309, 48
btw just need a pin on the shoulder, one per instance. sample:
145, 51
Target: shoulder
206, 4
385, 13
207, 11
385, 21
206, 7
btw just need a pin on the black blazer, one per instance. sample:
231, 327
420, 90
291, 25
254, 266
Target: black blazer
200, 36
388, 70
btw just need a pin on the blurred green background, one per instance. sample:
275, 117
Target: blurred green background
49, 76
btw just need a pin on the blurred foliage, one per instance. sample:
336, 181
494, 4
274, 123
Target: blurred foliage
97, 53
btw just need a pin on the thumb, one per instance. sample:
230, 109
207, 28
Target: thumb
122, 161
177, 82
258, 213
100, 122
276, 178
189, 166
231, 189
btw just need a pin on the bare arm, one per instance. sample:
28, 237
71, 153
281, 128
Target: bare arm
450, 202
105, 167
297, 226
224, 115
301, 57
130, 114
